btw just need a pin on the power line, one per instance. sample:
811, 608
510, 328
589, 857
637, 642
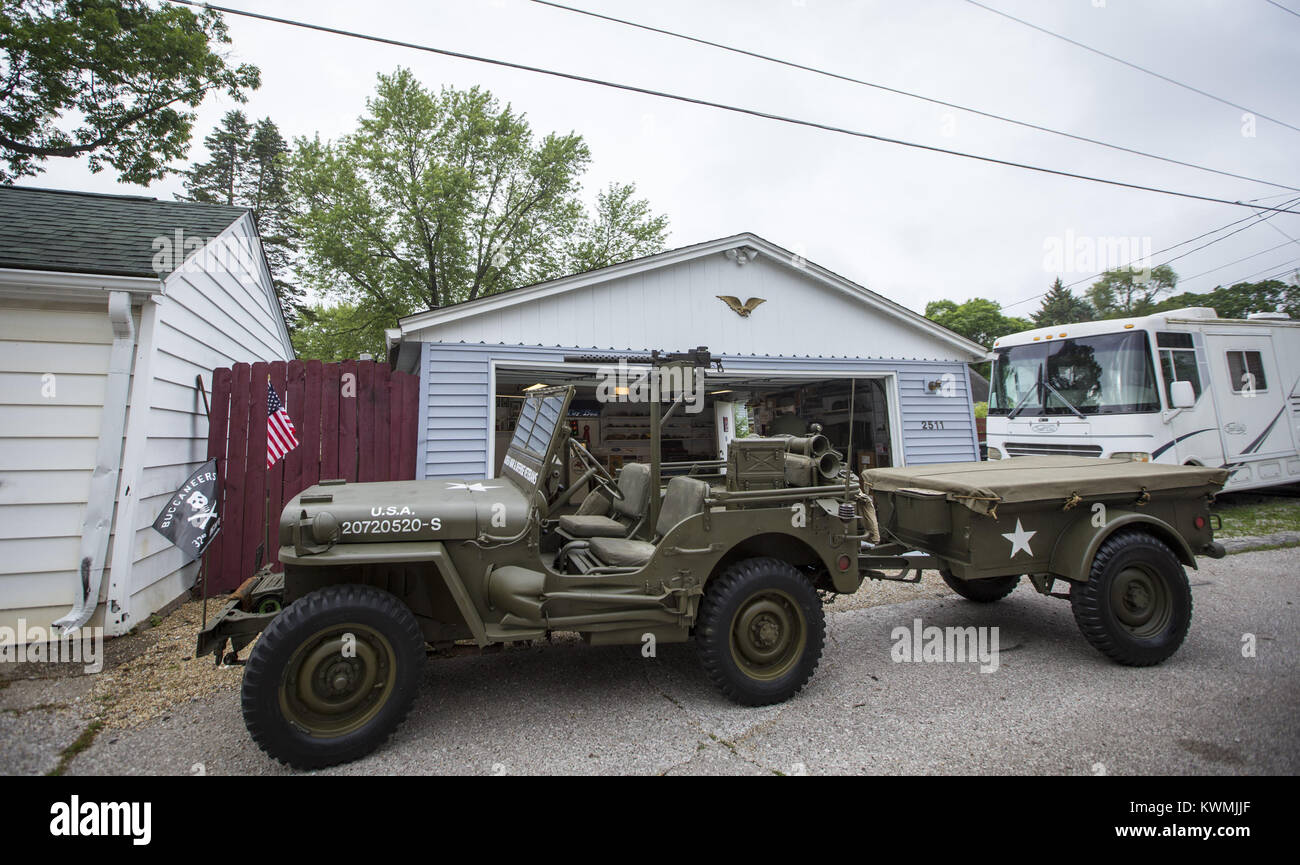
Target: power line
1255, 216
1283, 8
752, 112
1238, 261
1132, 65
1280, 268
897, 91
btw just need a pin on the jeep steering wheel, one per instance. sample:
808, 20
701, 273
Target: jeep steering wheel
594, 470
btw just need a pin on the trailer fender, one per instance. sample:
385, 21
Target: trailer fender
1077, 547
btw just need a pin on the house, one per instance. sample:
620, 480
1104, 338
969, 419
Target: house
799, 345
113, 310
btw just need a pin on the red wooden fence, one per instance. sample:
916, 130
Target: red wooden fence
355, 420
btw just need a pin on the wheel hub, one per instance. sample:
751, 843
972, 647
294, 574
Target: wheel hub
767, 635
337, 680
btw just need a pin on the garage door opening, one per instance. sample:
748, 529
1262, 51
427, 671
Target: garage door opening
736, 405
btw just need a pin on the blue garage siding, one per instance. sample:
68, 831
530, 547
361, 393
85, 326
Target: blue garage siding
456, 401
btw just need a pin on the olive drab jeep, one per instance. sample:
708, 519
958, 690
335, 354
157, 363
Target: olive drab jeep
734, 555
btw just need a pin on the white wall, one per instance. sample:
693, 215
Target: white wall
47, 449
216, 311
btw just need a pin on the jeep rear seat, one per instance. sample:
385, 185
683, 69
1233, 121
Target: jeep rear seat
684, 498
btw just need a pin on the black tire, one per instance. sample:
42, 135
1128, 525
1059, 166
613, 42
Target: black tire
307, 702
779, 615
984, 591
1136, 606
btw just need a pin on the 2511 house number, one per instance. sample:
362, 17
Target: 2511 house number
931, 424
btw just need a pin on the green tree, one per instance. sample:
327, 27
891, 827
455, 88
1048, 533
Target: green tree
108, 79
248, 165
1062, 306
623, 228
339, 332
1243, 298
978, 319
444, 197
1124, 292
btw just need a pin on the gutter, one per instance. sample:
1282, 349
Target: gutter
97, 527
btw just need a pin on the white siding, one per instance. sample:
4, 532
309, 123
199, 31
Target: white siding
676, 306
47, 450
215, 312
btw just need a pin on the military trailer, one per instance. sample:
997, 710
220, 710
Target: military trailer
737, 558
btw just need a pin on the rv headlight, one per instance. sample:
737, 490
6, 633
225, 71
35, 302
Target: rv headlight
994, 453
1135, 456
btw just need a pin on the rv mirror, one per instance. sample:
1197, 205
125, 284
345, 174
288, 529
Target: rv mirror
1181, 394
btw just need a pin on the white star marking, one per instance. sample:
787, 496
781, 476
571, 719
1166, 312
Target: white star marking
475, 487
1019, 540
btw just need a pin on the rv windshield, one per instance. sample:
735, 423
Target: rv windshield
1106, 374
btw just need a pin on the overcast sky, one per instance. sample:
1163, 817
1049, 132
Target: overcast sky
912, 225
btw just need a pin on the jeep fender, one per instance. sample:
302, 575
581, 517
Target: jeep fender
1077, 546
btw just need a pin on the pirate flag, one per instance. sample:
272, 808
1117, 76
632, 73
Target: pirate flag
189, 520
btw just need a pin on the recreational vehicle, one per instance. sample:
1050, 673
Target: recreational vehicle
1183, 387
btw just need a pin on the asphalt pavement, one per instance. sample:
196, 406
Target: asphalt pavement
1053, 705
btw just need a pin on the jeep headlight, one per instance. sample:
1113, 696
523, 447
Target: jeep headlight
1135, 456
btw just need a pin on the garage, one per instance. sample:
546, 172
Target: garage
798, 345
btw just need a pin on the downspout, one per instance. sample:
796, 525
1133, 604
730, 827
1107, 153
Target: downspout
98, 524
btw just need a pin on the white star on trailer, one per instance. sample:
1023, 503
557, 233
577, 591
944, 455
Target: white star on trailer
475, 487
1019, 540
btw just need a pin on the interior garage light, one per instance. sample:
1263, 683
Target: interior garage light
540, 384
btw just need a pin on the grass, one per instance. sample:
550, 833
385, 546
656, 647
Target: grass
82, 742
1252, 514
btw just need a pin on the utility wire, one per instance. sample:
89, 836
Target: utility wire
1132, 65
1235, 222
1238, 261
1283, 8
752, 112
841, 77
1280, 268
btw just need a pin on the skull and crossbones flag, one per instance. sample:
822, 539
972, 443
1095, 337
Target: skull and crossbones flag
190, 519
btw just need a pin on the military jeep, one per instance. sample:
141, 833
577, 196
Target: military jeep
735, 557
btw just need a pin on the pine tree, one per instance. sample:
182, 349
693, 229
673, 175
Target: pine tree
1062, 306
248, 167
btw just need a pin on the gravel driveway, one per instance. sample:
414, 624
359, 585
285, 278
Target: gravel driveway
1054, 705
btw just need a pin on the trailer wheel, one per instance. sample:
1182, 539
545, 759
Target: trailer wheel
984, 591
760, 631
1136, 606
332, 676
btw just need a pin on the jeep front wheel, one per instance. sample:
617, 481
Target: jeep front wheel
332, 676
1136, 606
760, 631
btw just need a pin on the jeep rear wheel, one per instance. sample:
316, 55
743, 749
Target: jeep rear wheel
984, 591
332, 676
760, 631
1136, 606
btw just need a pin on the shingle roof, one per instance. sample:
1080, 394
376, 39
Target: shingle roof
84, 232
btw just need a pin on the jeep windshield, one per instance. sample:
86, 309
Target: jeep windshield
536, 435
1109, 373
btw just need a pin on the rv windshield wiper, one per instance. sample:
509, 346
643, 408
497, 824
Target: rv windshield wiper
1056, 393
1011, 415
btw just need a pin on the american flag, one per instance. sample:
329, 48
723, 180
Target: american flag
281, 437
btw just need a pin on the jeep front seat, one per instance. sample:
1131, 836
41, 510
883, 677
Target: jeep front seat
626, 515
684, 498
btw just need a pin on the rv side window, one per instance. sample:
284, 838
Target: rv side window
1246, 372
1179, 366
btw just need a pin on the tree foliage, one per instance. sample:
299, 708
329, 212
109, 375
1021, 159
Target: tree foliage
339, 332
1062, 306
1243, 298
978, 319
108, 79
439, 198
1126, 292
248, 166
